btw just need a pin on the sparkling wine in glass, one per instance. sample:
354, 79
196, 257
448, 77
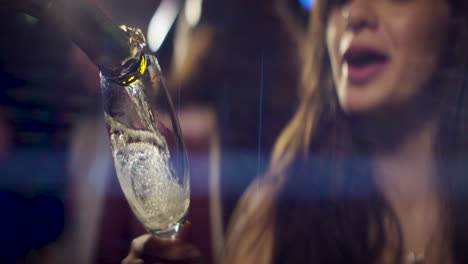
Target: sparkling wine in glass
149, 155
146, 142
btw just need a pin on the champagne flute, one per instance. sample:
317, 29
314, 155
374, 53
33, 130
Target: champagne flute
145, 138
146, 142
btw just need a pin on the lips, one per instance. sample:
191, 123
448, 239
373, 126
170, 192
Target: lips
364, 63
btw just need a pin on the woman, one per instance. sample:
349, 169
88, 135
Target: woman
372, 167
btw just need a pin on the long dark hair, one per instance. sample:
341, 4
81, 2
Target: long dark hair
328, 209
318, 202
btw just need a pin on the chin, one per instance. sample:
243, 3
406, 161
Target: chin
364, 100
360, 106
357, 111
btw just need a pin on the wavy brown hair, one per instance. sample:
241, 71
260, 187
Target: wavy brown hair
318, 202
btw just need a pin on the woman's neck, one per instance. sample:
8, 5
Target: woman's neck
407, 173
407, 176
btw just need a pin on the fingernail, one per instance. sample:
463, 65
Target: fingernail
193, 253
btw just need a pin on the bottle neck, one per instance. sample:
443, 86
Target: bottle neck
129, 73
106, 44
134, 66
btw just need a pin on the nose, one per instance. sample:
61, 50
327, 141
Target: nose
359, 15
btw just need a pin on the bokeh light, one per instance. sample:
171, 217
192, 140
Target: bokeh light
307, 4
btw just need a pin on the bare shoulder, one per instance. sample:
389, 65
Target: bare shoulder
251, 228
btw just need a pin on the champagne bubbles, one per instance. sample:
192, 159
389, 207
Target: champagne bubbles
153, 193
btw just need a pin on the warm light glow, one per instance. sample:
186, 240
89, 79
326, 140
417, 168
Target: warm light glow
161, 22
193, 10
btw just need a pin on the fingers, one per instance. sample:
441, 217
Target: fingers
185, 232
131, 260
138, 245
170, 249
148, 249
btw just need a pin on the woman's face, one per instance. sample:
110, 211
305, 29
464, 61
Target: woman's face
383, 52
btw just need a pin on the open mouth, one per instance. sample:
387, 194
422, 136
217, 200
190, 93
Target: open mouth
364, 63
363, 58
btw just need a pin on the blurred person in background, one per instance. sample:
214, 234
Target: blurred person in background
239, 68
372, 168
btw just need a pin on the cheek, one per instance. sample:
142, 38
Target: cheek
420, 40
423, 39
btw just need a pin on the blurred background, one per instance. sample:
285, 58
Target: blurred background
233, 68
